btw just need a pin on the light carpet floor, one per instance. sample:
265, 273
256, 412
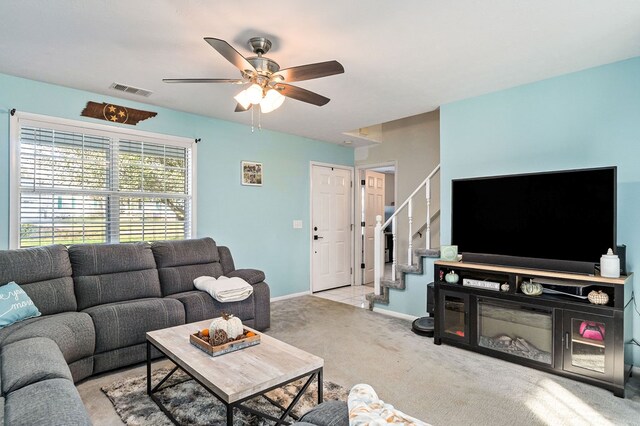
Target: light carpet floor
442, 385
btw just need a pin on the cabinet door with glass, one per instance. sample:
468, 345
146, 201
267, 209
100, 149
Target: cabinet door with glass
454, 316
588, 344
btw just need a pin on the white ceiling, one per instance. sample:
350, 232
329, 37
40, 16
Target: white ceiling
401, 58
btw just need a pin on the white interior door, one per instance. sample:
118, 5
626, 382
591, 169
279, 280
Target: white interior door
373, 206
331, 227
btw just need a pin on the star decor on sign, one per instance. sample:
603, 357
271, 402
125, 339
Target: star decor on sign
116, 113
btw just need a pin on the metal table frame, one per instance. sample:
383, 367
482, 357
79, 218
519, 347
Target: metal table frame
151, 390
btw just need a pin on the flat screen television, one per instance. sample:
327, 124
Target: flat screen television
561, 220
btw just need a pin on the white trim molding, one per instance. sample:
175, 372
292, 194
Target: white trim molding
394, 314
290, 296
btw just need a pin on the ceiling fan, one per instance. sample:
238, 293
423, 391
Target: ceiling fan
269, 84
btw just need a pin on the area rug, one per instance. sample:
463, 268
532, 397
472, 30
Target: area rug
192, 404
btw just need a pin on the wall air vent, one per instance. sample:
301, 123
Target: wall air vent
131, 89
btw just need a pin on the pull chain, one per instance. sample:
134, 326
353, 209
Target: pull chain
252, 120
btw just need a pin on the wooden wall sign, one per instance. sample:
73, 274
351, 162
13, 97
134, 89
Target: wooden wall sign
116, 113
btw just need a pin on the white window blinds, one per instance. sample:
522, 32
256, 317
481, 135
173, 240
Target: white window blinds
78, 185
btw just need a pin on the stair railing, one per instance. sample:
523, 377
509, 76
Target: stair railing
378, 232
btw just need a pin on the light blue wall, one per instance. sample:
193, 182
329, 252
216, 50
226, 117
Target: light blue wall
255, 222
585, 119
413, 299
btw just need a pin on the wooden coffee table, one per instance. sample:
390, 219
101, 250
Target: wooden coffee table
238, 376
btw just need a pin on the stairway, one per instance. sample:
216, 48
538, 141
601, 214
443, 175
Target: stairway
401, 270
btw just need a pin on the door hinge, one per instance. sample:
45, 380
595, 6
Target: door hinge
352, 226
362, 182
351, 271
352, 184
362, 224
362, 266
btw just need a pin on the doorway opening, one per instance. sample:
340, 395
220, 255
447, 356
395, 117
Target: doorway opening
376, 195
331, 226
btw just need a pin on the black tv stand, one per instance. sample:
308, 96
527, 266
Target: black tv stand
562, 334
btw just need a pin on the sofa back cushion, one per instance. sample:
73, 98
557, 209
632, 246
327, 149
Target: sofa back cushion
106, 273
180, 262
44, 273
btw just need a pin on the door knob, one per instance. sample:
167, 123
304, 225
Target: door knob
315, 237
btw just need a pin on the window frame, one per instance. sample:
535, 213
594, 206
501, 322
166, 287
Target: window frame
20, 119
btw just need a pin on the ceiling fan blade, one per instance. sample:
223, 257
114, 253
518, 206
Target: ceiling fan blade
204, 80
310, 71
300, 94
240, 108
230, 54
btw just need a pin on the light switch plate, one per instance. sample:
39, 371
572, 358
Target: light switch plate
297, 224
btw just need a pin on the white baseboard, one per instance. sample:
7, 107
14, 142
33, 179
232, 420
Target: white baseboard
394, 314
290, 296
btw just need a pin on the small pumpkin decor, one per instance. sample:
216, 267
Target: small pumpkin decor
531, 289
227, 323
598, 297
225, 334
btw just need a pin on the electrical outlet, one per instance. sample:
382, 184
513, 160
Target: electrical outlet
297, 224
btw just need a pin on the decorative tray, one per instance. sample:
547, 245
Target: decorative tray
225, 348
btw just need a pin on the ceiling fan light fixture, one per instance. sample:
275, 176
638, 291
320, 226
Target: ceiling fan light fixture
243, 99
272, 100
254, 94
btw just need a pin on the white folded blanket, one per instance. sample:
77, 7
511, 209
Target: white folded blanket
224, 289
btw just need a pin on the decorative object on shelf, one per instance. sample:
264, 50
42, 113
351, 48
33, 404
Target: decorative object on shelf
592, 330
115, 113
228, 323
504, 287
251, 173
598, 297
531, 289
449, 253
610, 265
451, 277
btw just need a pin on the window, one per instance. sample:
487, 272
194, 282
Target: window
76, 182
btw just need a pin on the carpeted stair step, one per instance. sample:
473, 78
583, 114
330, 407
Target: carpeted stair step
433, 253
399, 283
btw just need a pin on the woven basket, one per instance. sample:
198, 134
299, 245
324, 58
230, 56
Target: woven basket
598, 297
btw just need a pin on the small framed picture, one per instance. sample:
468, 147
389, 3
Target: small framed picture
251, 173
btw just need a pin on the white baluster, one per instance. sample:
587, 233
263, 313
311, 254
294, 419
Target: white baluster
394, 251
410, 249
428, 242
378, 265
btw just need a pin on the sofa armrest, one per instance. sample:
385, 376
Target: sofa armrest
252, 276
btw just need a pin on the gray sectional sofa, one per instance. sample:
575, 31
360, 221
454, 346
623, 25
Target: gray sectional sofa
97, 302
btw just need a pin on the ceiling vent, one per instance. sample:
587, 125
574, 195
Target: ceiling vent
131, 89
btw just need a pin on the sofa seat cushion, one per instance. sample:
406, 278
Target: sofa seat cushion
329, 413
124, 324
73, 332
29, 361
49, 402
199, 306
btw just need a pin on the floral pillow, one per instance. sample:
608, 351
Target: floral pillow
365, 408
15, 305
